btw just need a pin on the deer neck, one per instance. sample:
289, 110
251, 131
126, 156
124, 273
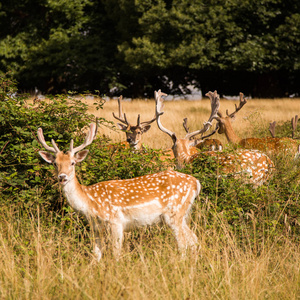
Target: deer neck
76, 196
230, 134
183, 152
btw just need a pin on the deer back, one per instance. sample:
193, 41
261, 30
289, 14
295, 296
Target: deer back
252, 166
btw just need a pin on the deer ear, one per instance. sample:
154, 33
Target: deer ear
48, 157
122, 126
194, 143
80, 156
146, 128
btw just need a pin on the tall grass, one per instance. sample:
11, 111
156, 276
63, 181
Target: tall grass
46, 256
40, 261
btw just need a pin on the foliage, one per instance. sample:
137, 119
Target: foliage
131, 47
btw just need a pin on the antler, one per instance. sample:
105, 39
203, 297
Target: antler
184, 124
215, 104
243, 101
294, 125
43, 142
186, 128
88, 139
124, 119
272, 128
158, 112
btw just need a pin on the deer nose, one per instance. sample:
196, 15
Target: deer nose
62, 177
129, 140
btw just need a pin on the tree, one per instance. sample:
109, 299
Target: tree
133, 46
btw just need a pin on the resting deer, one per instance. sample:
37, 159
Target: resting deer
270, 145
256, 165
205, 144
133, 133
123, 204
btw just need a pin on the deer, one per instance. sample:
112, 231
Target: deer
205, 144
270, 145
253, 165
183, 148
133, 132
121, 205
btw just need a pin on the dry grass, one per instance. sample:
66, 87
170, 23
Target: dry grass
43, 262
257, 112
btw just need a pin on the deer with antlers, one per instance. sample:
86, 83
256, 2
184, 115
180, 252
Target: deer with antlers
133, 132
121, 205
270, 145
254, 165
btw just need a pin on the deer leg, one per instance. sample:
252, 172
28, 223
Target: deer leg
97, 242
182, 235
191, 236
117, 234
97, 247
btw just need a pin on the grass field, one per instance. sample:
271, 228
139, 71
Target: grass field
256, 113
261, 260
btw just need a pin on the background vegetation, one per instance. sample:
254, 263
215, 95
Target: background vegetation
133, 47
249, 237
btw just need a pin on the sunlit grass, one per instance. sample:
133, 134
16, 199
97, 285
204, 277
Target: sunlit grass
44, 262
257, 112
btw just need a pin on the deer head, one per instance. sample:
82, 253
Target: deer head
133, 132
64, 163
224, 122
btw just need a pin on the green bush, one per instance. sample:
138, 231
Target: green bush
24, 174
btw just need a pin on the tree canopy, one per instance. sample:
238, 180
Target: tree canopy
135, 46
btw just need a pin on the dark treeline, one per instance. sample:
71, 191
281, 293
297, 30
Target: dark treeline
135, 46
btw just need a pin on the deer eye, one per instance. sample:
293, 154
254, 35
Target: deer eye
73, 163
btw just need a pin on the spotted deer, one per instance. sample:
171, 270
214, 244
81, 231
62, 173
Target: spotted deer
133, 132
121, 205
270, 145
252, 165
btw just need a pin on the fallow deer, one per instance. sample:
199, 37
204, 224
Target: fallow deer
133, 132
123, 204
252, 165
270, 145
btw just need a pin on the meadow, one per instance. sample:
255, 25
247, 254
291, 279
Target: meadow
254, 116
248, 238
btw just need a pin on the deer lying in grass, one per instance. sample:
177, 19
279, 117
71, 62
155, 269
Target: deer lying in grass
270, 145
133, 132
122, 205
252, 165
